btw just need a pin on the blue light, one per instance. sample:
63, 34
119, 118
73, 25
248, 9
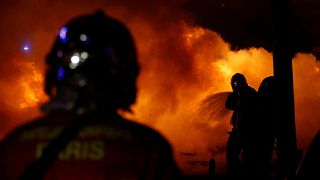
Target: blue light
63, 33
60, 73
25, 48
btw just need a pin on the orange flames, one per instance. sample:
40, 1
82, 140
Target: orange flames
32, 93
192, 64
181, 65
196, 63
22, 94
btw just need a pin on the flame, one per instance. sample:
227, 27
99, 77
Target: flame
170, 97
31, 95
192, 34
224, 68
23, 94
182, 65
195, 64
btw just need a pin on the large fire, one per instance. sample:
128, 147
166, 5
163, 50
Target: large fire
193, 63
181, 66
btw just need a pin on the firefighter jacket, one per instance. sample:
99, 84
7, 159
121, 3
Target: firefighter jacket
106, 147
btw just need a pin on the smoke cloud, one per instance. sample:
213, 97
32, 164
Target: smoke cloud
248, 23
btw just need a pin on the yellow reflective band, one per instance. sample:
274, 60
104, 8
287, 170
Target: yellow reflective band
77, 150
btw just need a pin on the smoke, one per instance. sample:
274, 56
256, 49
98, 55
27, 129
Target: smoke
184, 70
248, 23
180, 88
306, 71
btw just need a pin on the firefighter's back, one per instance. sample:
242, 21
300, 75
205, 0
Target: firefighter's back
104, 148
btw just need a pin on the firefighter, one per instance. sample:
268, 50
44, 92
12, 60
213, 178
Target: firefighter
267, 133
242, 101
91, 75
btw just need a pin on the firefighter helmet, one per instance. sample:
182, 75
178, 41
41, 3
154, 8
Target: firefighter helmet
95, 56
238, 81
267, 87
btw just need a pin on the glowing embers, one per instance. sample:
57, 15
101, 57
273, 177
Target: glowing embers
78, 58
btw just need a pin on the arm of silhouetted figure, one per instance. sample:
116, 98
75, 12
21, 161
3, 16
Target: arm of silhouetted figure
231, 102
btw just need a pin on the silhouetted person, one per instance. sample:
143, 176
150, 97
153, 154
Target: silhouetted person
92, 71
242, 101
267, 131
212, 168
